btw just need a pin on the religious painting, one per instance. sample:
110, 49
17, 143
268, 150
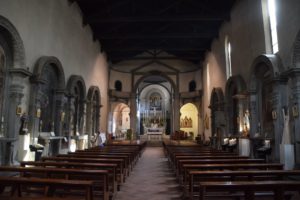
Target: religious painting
186, 122
155, 101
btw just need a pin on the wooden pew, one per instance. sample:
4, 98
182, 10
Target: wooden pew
249, 188
177, 158
120, 163
238, 166
195, 177
126, 159
180, 163
111, 167
100, 177
51, 185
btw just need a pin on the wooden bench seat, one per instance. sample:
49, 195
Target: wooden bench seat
180, 163
111, 167
51, 185
249, 188
100, 177
120, 163
238, 166
195, 177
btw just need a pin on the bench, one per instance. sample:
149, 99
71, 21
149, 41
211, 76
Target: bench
249, 189
111, 167
100, 177
238, 166
120, 163
195, 177
51, 185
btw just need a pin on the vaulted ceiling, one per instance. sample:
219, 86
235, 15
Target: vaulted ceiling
183, 29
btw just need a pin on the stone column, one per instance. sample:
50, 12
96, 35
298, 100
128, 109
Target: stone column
253, 112
70, 119
277, 91
13, 120
176, 113
294, 74
89, 116
132, 114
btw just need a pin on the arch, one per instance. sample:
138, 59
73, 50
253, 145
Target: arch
217, 99
78, 81
217, 111
55, 63
296, 52
272, 62
93, 92
120, 120
76, 113
189, 119
236, 94
265, 98
93, 110
16, 43
155, 73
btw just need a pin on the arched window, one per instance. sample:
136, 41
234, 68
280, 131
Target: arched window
228, 58
273, 25
192, 86
118, 85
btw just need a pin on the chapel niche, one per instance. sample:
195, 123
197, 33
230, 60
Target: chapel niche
93, 110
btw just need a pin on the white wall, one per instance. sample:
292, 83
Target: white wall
54, 28
124, 77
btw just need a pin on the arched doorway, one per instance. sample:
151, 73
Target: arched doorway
12, 68
93, 111
266, 100
157, 103
189, 118
120, 121
217, 117
75, 123
47, 99
237, 106
154, 107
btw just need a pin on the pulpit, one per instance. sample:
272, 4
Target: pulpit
52, 143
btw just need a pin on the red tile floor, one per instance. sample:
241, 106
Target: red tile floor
151, 179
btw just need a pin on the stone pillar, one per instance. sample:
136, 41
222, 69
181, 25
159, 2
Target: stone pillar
277, 91
294, 74
132, 114
176, 113
13, 120
83, 123
70, 119
253, 112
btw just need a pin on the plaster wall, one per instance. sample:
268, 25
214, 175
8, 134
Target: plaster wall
54, 28
186, 78
125, 78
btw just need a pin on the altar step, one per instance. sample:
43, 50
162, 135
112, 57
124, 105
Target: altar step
154, 143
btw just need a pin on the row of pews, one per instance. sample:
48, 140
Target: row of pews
91, 174
206, 173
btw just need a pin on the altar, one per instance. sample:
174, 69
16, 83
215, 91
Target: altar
154, 133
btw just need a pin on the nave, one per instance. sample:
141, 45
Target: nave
151, 179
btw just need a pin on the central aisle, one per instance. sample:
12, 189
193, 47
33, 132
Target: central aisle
150, 179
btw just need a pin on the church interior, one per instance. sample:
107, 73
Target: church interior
163, 100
